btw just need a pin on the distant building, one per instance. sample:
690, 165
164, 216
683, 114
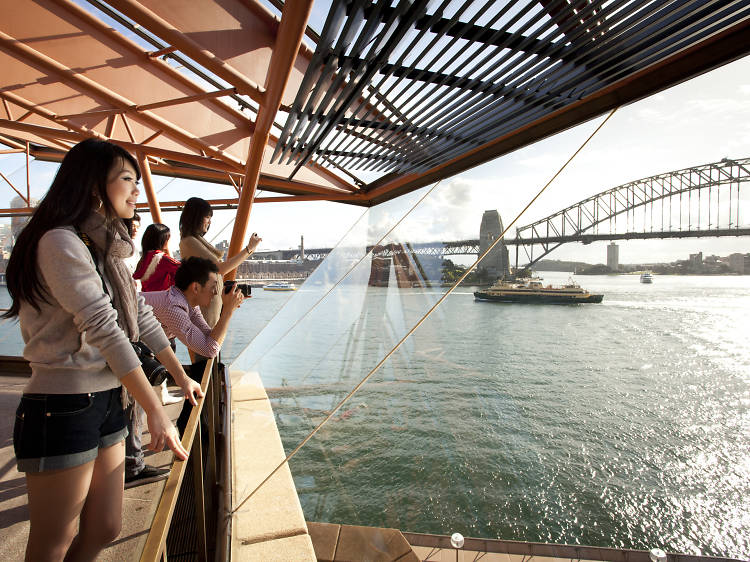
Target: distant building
275, 255
613, 256
740, 263
496, 263
712, 259
222, 246
696, 260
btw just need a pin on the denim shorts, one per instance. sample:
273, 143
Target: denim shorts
55, 431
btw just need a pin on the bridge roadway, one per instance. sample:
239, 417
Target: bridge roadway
666, 205
471, 247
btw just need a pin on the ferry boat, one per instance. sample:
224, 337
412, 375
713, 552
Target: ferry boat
279, 286
533, 291
646, 277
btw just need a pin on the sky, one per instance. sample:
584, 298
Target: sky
699, 121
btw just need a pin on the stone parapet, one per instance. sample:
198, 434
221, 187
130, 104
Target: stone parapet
270, 525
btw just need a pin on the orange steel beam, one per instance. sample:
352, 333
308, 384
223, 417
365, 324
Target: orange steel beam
7, 109
110, 126
344, 197
163, 29
234, 184
281, 185
85, 84
23, 211
135, 48
148, 184
160, 52
258, 9
14, 144
81, 133
13, 187
271, 182
13, 151
151, 137
155, 105
168, 206
182, 203
28, 175
171, 206
130, 132
288, 40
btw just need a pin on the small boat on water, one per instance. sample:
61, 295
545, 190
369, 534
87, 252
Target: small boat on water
646, 277
279, 286
533, 291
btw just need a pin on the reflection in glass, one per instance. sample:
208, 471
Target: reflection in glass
572, 424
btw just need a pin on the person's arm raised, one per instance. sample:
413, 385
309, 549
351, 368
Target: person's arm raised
230, 264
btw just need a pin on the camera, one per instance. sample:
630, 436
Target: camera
245, 289
155, 372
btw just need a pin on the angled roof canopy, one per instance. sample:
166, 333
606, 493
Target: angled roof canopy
392, 96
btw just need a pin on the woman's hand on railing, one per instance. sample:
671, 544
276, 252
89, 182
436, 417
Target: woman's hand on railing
164, 433
191, 389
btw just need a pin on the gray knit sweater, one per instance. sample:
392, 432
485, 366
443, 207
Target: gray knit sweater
74, 344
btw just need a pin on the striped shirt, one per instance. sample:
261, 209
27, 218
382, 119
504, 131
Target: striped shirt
179, 320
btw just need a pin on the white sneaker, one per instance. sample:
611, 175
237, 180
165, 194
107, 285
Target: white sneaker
166, 397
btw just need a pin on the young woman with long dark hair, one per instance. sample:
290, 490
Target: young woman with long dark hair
195, 221
78, 310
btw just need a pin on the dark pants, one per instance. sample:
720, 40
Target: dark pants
134, 462
195, 373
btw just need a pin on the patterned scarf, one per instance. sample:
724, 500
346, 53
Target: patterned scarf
124, 298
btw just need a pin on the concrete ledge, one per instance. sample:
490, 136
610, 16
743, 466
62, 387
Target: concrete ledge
270, 525
297, 548
247, 386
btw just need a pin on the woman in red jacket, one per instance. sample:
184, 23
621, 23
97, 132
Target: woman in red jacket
156, 268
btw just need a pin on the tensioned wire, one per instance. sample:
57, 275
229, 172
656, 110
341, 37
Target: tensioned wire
424, 317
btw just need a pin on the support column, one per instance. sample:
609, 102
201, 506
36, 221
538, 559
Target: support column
288, 40
28, 177
148, 185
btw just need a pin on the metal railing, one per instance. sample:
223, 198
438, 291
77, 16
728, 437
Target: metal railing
211, 474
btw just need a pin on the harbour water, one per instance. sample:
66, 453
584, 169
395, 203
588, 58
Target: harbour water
621, 424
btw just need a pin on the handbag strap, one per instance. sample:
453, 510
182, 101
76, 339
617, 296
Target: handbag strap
90, 245
140, 348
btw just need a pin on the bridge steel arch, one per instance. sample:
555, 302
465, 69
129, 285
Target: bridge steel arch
692, 202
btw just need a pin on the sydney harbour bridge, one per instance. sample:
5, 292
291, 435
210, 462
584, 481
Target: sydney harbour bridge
700, 201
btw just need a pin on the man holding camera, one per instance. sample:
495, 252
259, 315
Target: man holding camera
178, 310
